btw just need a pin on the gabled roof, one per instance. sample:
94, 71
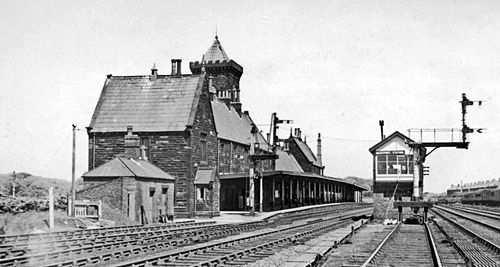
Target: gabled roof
388, 139
215, 52
306, 150
167, 103
287, 162
233, 127
123, 167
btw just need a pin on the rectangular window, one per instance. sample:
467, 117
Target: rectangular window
390, 163
201, 193
203, 147
381, 164
403, 164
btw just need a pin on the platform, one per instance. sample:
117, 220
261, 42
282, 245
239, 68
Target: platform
244, 216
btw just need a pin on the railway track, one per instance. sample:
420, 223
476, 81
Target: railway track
473, 247
484, 227
484, 213
90, 247
244, 250
406, 245
15, 246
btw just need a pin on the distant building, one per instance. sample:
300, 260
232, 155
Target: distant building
456, 190
393, 166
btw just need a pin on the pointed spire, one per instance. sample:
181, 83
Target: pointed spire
215, 52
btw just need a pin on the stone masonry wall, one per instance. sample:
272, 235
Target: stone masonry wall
203, 131
106, 190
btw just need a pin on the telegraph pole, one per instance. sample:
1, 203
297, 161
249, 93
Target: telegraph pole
73, 193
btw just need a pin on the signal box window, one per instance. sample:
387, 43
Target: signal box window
389, 164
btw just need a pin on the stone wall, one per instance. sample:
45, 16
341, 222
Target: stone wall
109, 191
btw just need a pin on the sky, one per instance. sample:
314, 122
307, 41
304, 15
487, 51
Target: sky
334, 67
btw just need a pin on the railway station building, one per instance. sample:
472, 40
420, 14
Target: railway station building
193, 128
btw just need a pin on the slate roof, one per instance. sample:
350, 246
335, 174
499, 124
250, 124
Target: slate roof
204, 176
306, 150
123, 167
388, 139
215, 52
230, 126
296, 174
287, 162
165, 104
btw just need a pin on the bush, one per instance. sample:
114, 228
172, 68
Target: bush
24, 204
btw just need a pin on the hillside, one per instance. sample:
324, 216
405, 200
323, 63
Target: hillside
27, 185
362, 181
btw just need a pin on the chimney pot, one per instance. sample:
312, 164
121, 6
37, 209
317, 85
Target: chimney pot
176, 66
130, 130
154, 73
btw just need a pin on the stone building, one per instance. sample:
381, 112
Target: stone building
128, 182
302, 152
175, 118
192, 127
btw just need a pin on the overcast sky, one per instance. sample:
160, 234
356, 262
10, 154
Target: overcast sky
335, 67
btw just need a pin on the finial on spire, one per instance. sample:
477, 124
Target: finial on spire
216, 32
154, 66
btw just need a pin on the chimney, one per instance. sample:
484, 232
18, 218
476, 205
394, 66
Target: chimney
298, 132
237, 107
212, 91
381, 123
154, 73
132, 144
318, 150
176, 67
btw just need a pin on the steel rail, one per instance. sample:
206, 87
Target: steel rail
472, 255
435, 254
176, 239
252, 250
491, 227
469, 232
79, 241
485, 213
6, 239
94, 259
153, 260
382, 244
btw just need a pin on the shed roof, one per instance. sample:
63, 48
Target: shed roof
306, 150
167, 103
387, 140
233, 127
204, 176
123, 167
